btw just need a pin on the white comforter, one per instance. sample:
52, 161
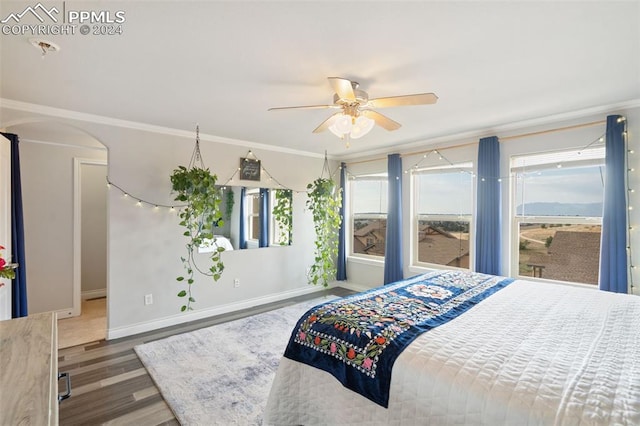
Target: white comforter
533, 353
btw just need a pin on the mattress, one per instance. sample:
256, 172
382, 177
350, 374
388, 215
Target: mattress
533, 353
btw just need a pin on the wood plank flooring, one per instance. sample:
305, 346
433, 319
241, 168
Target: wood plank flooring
110, 386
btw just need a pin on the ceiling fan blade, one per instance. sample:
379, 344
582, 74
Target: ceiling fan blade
381, 120
304, 107
392, 101
343, 88
327, 123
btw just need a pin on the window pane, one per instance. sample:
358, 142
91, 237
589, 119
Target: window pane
255, 203
369, 196
369, 236
444, 243
254, 233
566, 191
560, 252
447, 193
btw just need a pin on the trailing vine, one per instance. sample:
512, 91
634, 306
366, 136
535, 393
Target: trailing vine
283, 215
229, 200
197, 188
324, 199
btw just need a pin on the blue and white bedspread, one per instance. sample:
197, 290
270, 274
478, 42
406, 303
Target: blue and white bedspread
357, 339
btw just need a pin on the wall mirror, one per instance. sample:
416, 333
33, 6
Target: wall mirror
254, 218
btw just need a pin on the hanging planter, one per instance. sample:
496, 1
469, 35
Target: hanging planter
324, 199
196, 187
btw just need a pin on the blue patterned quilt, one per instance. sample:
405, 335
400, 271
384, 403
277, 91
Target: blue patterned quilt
358, 338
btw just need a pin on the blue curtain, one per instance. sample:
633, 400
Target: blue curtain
243, 217
488, 215
341, 274
613, 245
263, 241
19, 283
393, 246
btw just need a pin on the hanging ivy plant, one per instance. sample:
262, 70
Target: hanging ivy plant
324, 202
229, 199
283, 215
197, 188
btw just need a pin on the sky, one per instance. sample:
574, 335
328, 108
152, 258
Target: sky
451, 192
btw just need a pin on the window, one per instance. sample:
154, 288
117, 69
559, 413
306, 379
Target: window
443, 203
558, 199
369, 214
253, 214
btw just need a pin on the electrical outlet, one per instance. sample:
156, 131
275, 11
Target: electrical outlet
236, 282
148, 299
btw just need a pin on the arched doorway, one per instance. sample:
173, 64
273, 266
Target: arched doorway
61, 165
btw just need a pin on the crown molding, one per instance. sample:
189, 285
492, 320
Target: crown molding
134, 125
475, 135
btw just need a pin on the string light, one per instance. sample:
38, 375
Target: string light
141, 202
263, 169
630, 227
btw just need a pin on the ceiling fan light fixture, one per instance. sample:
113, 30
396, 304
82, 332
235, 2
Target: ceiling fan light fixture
333, 130
361, 127
343, 124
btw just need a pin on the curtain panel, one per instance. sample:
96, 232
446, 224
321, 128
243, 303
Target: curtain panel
264, 218
393, 259
341, 272
488, 214
613, 244
19, 282
242, 237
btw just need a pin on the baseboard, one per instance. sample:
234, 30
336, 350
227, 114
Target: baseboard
143, 327
351, 286
94, 294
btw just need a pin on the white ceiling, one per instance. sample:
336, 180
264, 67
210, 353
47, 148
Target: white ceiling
223, 64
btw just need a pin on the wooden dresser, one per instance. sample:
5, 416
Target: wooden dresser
29, 370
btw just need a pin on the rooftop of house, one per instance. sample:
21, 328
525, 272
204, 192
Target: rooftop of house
572, 256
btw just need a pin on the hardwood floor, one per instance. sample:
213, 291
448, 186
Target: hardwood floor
90, 326
109, 384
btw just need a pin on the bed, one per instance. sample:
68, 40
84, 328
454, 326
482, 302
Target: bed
527, 353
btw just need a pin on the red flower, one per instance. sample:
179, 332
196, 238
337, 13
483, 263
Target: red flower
2, 262
313, 318
316, 340
380, 340
351, 354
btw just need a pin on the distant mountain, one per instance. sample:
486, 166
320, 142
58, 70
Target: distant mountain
561, 209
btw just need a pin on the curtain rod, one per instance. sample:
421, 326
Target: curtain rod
505, 139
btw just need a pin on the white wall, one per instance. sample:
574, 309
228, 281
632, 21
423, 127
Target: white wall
93, 182
145, 244
363, 274
47, 191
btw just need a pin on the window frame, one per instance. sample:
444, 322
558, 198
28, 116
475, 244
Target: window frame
250, 214
517, 220
416, 217
382, 176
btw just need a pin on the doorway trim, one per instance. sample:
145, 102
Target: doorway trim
77, 230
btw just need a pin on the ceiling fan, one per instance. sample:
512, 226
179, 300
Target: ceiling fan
356, 116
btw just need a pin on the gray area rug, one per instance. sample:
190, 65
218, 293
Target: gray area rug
221, 375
